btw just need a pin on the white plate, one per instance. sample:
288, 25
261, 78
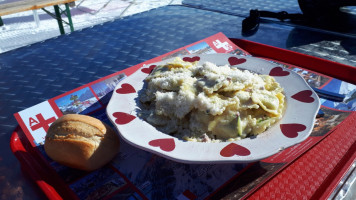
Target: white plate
302, 105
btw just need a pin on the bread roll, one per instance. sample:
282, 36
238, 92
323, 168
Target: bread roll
81, 142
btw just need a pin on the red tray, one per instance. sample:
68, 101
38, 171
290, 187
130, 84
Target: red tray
314, 175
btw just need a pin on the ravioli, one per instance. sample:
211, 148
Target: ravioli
210, 103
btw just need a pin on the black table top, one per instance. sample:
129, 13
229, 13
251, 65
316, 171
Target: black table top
33, 74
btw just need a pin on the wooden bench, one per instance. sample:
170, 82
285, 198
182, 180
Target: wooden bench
26, 5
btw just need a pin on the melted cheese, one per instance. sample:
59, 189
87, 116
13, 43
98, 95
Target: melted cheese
210, 103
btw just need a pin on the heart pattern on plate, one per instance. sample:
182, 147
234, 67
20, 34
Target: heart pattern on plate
166, 144
126, 89
123, 118
193, 59
278, 71
233, 149
304, 96
148, 70
236, 61
291, 130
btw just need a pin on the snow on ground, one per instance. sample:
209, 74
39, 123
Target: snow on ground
21, 29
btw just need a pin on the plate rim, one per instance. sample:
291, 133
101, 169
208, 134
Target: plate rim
233, 159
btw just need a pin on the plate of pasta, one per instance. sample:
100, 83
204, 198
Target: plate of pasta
214, 108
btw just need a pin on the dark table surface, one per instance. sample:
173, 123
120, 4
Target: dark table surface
33, 74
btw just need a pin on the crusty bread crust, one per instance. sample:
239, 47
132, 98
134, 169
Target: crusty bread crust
81, 142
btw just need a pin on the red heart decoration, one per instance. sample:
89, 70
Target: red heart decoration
148, 70
236, 61
304, 96
234, 149
193, 59
291, 130
278, 71
123, 118
126, 89
167, 144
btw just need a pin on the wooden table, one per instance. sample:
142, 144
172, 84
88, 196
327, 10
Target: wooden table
25, 5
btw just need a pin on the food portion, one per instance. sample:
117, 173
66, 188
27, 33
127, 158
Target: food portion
81, 142
209, 103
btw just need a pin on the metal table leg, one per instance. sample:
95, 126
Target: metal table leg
69, 17
59, 19
1, 22
58, 16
